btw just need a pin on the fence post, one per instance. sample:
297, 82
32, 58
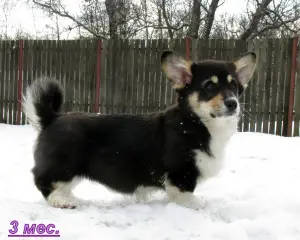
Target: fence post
188, 48
98, 75
292, 86
20, 80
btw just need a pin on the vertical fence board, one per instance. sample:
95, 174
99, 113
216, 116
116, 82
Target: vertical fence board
157, 85
5, 80
2, 80
141, 79
267, 80
92, 74
283, 44
260, 85
25, 75
152, 75
76, 76
103, 77
130, 77
147, 76
253, 85
135, 46
297, 100
119, 77
15, 79
287, 86
10, 99
113, 69
274, 86
125, 76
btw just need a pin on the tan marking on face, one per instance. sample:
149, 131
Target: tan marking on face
214, 79
229, 78
216, 101
194, 101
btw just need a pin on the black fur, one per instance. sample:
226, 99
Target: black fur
122, 152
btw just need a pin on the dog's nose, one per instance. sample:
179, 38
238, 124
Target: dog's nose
231, 104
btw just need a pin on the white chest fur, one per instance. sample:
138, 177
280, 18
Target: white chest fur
221, 130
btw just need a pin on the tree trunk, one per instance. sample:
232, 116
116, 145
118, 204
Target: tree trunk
257, 16
210, 18
111, 8
193, 30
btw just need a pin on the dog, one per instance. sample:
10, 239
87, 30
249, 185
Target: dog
172, 150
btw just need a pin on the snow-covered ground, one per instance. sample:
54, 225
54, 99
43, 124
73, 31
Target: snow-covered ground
256, 196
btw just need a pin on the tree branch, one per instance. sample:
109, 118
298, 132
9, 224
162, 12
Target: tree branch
65, 14
257, 16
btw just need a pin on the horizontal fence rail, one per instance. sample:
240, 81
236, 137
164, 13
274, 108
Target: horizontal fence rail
124, 76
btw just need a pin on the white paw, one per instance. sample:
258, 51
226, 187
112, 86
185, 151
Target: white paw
193, 203
58, 201
190, 201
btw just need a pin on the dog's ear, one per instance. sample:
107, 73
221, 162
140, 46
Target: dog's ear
176, 68
245, 67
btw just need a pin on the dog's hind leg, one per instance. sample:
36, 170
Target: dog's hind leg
58, 193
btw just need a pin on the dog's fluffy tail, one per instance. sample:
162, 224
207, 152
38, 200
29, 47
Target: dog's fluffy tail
42, 102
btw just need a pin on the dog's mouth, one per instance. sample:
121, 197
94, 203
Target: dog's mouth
224, 114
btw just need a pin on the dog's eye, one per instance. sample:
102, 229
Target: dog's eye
233, 84
210, 86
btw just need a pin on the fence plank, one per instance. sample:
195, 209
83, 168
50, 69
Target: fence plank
141, 79
267, 86
297, 101
119, 75
274, 86
125, 76
15, 79
27, 72
12, 50
2, 82
135, 46
253, 86
158, 82
103, 77
147, 76
287, 85
113, 70
260, 84
283, 43
152, 75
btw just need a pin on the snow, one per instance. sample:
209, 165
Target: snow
254, 197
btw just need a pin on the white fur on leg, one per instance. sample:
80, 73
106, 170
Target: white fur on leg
143, 194
62, 196
185, 199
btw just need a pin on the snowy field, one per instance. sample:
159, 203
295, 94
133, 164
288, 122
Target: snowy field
256, 196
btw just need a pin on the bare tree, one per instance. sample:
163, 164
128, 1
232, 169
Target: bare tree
6, 7
56, 7
210, 17
193, 29
176, 18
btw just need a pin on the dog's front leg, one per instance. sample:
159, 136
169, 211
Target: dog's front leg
180, 187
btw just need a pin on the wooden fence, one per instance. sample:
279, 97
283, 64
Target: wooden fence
124, 76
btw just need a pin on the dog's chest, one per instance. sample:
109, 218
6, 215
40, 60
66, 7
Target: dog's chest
209, 165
